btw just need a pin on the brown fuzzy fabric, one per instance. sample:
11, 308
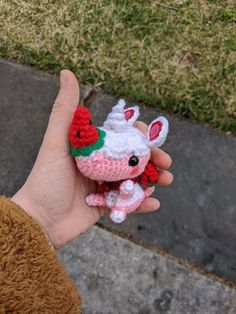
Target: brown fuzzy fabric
32, 280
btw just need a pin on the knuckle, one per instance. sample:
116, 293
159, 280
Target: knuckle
57, 106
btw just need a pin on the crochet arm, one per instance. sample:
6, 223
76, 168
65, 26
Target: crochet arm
32, 279
127, 189
96, 199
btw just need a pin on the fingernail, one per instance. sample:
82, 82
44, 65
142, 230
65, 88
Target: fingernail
156, 204
63, 78
171, 177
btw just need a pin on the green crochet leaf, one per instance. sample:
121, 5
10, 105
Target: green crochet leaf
87, 150
149, 185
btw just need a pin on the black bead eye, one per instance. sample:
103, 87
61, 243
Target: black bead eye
78, 134
133, 161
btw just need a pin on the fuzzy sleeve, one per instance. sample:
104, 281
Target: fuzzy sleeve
32, 280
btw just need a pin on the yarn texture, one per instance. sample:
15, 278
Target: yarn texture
117, 156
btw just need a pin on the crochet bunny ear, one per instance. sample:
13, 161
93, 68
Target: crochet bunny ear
157, 132
131, 114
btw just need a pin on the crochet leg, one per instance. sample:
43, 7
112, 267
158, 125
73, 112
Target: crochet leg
118, 216
96, 199
149, 191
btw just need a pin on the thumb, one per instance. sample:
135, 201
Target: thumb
56, 136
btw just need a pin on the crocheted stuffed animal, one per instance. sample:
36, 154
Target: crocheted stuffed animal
117, 156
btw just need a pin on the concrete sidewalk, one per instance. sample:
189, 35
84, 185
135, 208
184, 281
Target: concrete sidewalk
114, 275
196, 222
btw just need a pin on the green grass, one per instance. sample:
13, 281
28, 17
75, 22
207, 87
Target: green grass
177, 55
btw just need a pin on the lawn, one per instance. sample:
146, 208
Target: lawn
177, 55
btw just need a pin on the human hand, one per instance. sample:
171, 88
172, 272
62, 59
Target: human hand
54, 193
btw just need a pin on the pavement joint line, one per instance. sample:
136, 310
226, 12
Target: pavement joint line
192, 266
92, 93
95, 90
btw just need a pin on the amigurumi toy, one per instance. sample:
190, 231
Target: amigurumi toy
117, 157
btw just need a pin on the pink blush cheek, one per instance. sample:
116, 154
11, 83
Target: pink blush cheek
136, 171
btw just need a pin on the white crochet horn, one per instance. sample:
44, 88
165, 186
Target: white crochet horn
116, 119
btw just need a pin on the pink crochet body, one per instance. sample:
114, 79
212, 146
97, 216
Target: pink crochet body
123, 201
117, 156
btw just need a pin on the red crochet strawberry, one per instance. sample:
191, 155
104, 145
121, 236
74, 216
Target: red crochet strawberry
84, 137
150, 175
82, 133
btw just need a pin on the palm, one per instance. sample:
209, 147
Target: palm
72, 208
60, 188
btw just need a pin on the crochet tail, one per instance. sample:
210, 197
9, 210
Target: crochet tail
150, 175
